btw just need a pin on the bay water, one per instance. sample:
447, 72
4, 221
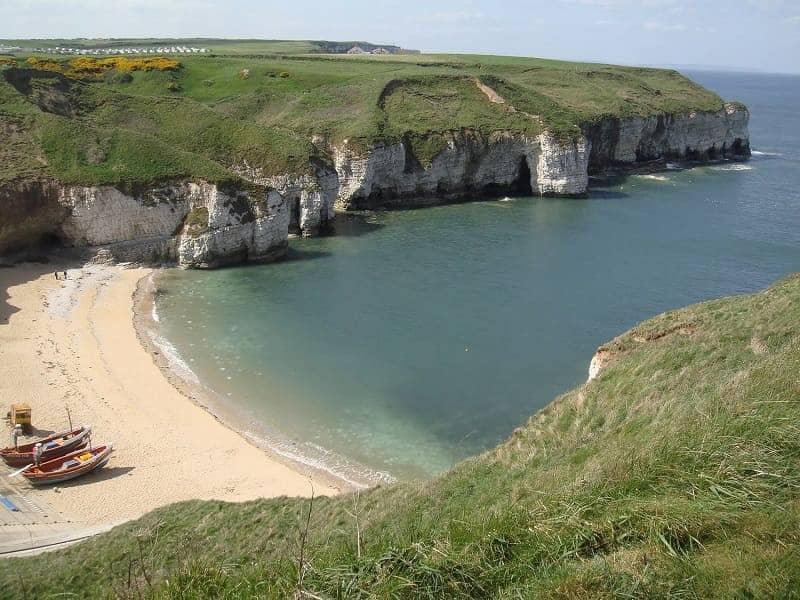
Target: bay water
413, 339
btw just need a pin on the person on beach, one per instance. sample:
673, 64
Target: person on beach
65, 274
15, 433
56, 274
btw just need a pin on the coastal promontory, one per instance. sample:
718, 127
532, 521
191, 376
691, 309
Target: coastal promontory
209, 160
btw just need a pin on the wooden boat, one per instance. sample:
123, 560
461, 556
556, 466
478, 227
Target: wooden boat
70, 466
53, 446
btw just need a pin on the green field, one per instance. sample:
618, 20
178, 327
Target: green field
261, 102
674, 474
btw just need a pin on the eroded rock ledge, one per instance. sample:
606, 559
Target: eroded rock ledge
205, 225
503, 163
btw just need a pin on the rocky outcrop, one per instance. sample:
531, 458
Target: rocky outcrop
390, 175
311, 197
562, 167
236, 229
698, 136
599, 361
470, 163
192, 224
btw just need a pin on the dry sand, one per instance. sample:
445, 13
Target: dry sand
74, 343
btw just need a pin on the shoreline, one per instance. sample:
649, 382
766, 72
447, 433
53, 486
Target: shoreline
185, 381
75, 343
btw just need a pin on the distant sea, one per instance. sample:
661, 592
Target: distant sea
411, 340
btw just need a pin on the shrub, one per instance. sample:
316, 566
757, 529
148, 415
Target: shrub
88, 66
85, 66
43, 64
196, 222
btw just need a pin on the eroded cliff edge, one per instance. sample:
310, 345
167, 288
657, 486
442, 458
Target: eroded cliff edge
204, 225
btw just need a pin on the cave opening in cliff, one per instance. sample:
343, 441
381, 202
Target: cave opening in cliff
522, 184
294, 215
50, 241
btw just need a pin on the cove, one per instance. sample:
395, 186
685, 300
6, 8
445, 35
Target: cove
411, 340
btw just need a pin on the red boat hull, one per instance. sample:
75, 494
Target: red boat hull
68, 467
53, 446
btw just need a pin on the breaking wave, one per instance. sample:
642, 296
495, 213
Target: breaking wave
654, 177
176, 363
734, 167
322, 459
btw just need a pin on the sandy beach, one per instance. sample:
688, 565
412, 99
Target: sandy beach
73, 343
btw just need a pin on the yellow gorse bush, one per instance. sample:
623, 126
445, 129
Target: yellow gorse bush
94, 66
43, 64
85, 66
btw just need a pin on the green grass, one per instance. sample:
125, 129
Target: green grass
196, 222
675, 474
208, 117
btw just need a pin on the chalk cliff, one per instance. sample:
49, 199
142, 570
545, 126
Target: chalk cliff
192, 224
471, 163
697, 136
200, 224
310, 197
389, 175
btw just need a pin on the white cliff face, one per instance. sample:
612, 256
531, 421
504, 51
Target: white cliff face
389, 175
249, 233
150, 227
205, 225
105, 215
692, 136
311, 198
598, 363
562, 168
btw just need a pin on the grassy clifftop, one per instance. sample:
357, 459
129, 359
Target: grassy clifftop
675, 473
116, 123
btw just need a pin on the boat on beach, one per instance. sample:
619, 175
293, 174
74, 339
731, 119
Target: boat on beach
53, 446
68, 467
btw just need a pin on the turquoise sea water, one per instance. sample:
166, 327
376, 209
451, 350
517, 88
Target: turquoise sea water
413, 339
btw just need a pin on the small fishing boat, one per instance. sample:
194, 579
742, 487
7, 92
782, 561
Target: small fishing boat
70, 466
53, 446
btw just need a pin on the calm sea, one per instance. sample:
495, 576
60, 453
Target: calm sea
413, 339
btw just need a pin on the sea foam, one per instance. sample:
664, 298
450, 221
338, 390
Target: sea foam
654, 177
322, 459
733, 167
175, 361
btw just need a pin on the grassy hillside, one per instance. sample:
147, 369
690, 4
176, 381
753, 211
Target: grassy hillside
676, 473
123, 121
